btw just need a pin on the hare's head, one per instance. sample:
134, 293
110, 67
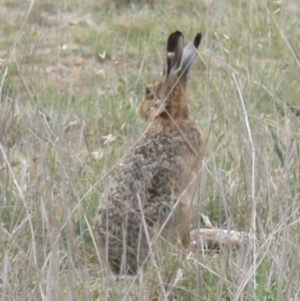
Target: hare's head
166, 97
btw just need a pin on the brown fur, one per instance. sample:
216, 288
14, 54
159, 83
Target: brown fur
157, 180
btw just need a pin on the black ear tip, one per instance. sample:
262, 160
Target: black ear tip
174, 36
173, 40
177, 33
197, 39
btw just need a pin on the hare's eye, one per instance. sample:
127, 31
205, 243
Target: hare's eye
147, 91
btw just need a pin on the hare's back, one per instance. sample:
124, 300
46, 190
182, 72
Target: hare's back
157, 166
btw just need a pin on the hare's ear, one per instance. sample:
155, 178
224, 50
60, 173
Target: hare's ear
174, 51
188, 58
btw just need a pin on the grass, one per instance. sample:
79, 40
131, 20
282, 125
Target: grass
72, 74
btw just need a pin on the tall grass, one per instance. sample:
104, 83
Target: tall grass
71, 76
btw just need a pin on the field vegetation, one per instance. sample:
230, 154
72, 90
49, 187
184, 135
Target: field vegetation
71, 75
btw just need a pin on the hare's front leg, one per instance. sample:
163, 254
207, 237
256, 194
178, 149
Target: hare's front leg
186, 238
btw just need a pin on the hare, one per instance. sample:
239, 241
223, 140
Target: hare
152, 190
